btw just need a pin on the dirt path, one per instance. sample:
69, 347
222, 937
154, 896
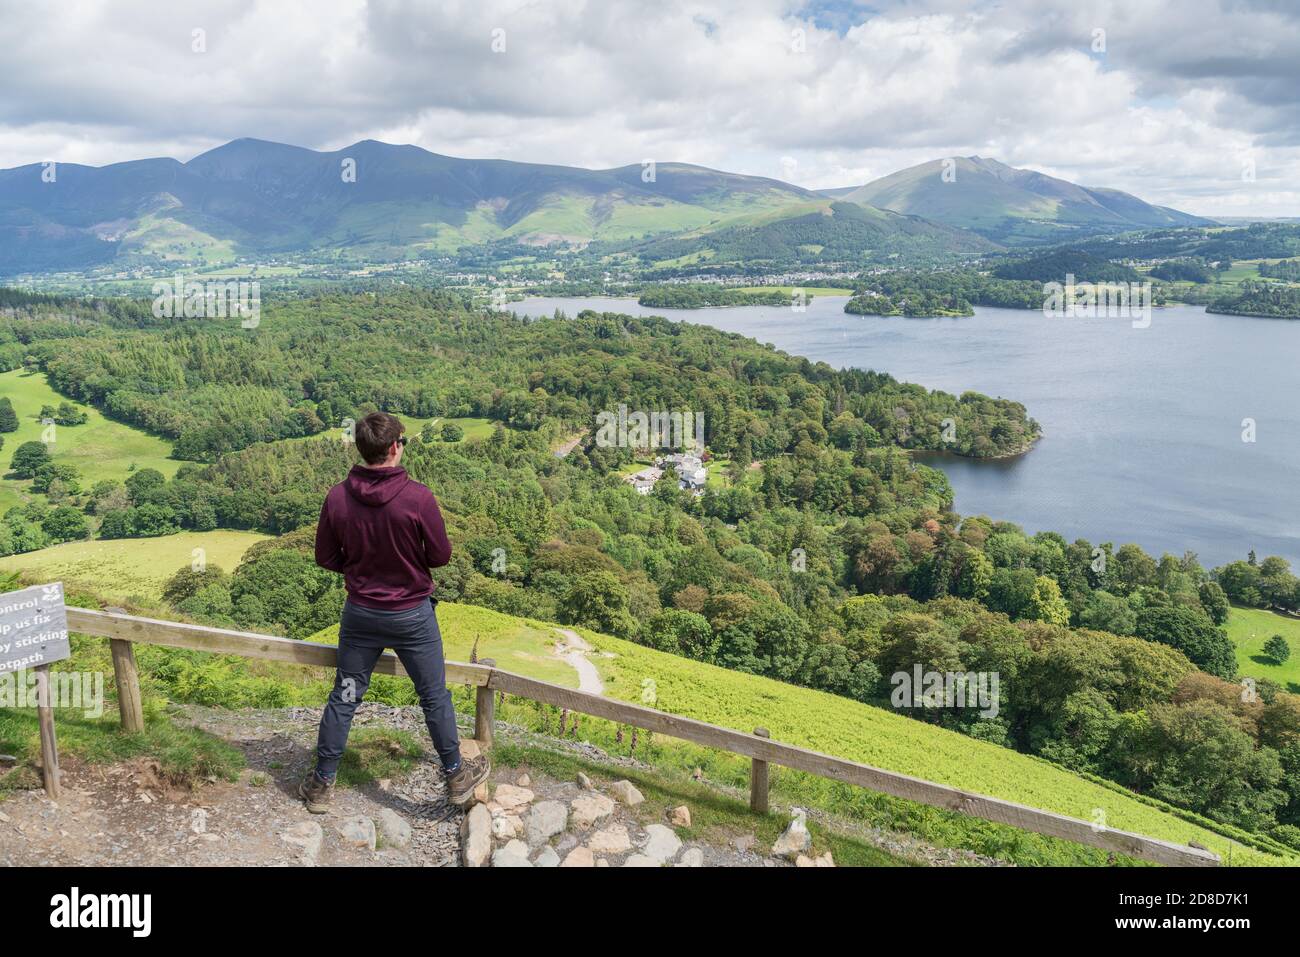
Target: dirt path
574, 650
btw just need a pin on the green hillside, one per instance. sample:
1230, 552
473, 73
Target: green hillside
99, 449
1249, 628
816, 720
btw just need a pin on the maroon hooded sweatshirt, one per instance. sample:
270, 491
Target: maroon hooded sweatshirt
383, 532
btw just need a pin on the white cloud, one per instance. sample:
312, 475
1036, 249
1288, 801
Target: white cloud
1183, 91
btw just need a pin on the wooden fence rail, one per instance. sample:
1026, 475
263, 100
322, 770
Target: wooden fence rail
486, 678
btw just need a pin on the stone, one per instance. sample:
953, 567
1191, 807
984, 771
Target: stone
481, 793
602, 863
803, 860
612, 840
642, 860
469, 748
579, 857
396, 832
545, 820
691, 857
523, 781
626, 792
307, 837
508, 797
585, 782
744, 842
589, 809
547, 858
662, 844
478, 836
796, 839
680, 816
506, 826
566, 843
826, 860
359, 831
514, 854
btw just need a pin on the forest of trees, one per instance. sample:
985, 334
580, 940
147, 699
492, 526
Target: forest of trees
835, 562
1250, 298
699, 295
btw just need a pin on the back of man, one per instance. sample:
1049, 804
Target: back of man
383, 531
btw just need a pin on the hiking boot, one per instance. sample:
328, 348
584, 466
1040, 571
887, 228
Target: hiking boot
316, 793
472, 773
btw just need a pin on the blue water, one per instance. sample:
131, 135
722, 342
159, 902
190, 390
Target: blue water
1143, 427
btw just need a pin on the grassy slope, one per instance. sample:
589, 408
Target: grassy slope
126, 569
100, 449
1249, 628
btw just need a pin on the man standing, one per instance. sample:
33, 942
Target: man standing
383, 532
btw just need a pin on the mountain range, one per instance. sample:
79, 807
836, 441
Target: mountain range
374, 201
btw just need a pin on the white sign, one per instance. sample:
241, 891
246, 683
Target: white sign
33, 627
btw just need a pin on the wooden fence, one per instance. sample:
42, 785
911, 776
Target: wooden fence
123, 630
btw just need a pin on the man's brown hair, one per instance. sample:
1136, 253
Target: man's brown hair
376, 434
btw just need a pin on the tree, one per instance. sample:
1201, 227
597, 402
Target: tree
682, 633
65, 524
598, 600
1191, 632
1277, 649
8, 417
451, 432
29, 457
1104, 612
1214, 601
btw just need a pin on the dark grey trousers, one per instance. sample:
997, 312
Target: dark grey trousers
363, 635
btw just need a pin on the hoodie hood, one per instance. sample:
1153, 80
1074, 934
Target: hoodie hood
376, 486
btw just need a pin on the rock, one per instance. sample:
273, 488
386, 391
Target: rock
469, 748
506, 826
602, 863
579, 857
691, 857
626, 792
514, 854
589, 809
396, 832
385, 784
547, 858
508, 797
804, 860
4, 818
545, 820
359, 831
307, 837
481, 793
523, 781
796, 838
642, 860
745, 842
585, 782
826, 860
478, 836
8, 760
680, 816
612, 840
662, 844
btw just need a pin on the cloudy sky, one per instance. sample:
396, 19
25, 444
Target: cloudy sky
1189, 103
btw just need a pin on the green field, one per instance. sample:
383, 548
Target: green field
1249, 628
125, 569
100, 449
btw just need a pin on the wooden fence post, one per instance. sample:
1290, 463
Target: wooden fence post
758, 779
128, 684
49, 745
484, 710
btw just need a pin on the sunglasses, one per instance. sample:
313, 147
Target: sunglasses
402, 440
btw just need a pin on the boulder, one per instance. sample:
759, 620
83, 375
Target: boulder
642, 860
612, 840
508, 797
396, 832
307, 837
579, 857
661, 844
589, 809
585, 782
523, 781
514, 854
796, 839
358, 831
506, 826
680, 816
691, 857
545, 820
478, 836
547, 858
626, 792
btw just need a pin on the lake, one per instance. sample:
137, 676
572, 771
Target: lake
1143, 426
